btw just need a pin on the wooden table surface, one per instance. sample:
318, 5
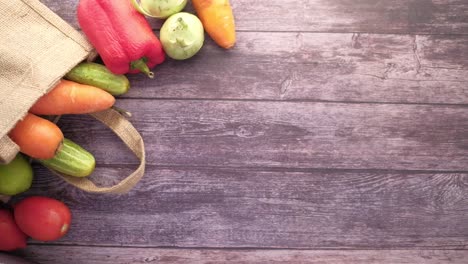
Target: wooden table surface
336, 131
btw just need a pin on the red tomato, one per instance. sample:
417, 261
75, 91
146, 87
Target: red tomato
11, 237
42, 218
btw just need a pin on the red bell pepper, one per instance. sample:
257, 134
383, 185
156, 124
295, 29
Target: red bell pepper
122, 36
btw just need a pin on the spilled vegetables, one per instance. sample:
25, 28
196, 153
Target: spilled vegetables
182, 36
126, 44
42, 140
43, 218
39, 217
122, 36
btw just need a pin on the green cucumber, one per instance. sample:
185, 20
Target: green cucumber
72, 160
98, 75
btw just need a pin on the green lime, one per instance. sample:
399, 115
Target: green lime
15, 177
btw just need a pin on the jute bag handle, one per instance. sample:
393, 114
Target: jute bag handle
132, 139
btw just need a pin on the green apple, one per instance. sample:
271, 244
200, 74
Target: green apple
159, 8
182, 36
15, 177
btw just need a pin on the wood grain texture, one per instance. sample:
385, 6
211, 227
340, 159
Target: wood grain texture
243, 153
104, 255
285, 134
365, 16
11, 259
319, 67
242, 208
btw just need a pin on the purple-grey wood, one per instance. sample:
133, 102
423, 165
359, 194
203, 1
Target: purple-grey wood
379, 16
285, 134
326, 67
319, 67
242, 208
104, 255
11, 259
308, 175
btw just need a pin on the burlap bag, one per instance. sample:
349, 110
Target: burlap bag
37, 48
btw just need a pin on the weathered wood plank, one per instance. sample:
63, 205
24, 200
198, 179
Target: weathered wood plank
379, 16
286, 134
319, 67
12, 259
269, 209
105, 255
277, 207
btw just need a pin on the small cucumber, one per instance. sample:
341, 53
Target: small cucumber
71, 159
98, 75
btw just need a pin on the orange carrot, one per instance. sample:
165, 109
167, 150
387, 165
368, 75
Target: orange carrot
37, 137
218, 20
73, 98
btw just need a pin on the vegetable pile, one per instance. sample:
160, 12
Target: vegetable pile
40, 139
125, 42
41, 218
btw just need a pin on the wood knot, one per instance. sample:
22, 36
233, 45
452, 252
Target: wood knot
246, 131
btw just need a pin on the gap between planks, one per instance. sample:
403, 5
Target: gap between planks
104, 255
290, 101
205, 248
281, 169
